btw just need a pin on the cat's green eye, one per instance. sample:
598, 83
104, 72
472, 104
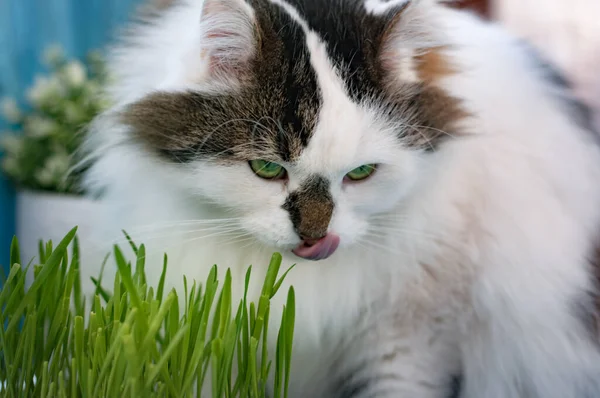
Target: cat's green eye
266, 169
362, 172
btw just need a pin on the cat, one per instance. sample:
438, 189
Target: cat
433, 180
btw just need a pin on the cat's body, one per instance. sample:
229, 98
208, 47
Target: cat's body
466, 253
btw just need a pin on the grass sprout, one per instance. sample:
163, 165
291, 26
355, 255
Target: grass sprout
134, 340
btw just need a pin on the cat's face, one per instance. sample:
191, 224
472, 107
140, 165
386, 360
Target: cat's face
304, 123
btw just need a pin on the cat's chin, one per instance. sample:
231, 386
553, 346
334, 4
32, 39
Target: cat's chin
319, 249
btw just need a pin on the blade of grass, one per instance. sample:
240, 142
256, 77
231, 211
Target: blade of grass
15, 254
75, 264
130, 241
161, 282
51, 265
160, 365
289, 324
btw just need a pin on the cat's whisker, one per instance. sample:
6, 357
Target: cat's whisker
393, 229
391, 232
187, 223
185, 242
418, 126
388, 217
242, 237
146, 238
177, 224
239, 147
216, 234
400, 125
181, 243
385, 216
173, 136
438, 238
406, 253
209, 134
184, 228
423, 136
390, 238
250, 243
373, 244
396, 127
241, 243
391, 224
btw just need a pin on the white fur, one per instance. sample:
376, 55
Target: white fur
380, 7
477, 268
567, 32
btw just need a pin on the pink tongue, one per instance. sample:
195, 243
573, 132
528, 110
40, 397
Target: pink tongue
320, 250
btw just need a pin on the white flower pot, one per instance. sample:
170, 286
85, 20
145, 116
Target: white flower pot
45, 216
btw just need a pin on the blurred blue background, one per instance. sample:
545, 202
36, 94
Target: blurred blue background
27, 27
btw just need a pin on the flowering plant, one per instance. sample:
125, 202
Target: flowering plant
39, 148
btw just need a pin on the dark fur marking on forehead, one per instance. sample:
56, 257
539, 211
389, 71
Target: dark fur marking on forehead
354, 39
310, 208
272, 116
300, 92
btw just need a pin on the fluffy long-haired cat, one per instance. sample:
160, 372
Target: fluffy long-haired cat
433, 180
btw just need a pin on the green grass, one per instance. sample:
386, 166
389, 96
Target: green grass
136, 341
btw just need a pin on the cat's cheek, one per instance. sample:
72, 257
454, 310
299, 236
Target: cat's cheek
348, 225
271, 227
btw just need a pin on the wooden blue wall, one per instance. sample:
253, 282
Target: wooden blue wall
26, 28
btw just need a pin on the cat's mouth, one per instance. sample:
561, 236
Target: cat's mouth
318, 249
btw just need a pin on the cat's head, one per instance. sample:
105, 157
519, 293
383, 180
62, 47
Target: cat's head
305, 118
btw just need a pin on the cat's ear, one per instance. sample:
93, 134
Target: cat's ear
411, 50
229, 37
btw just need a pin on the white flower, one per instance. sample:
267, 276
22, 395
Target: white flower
75, 74
44, 177
54, 171
11, 143
93, 89
11, 110
10, 166
37, 91
37, 126
45, 90
73, 113
59, 162
53, 54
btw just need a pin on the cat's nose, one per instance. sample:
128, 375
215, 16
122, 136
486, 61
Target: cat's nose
319, 248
